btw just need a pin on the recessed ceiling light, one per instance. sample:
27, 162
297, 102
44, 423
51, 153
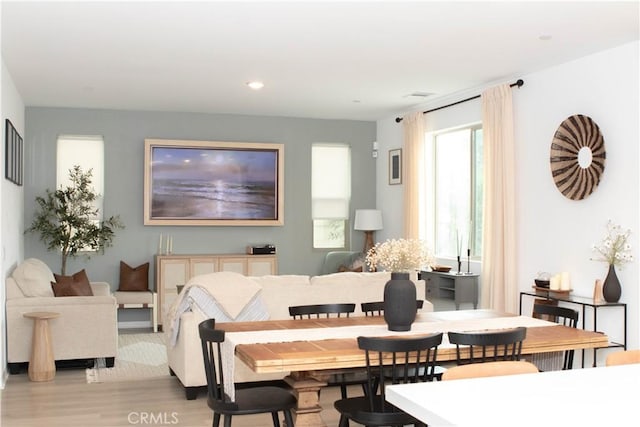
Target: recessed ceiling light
255, 85
418, 94
545, 37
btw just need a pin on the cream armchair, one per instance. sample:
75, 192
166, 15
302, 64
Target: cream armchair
86, 328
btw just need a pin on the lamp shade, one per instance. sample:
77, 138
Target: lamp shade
368, 220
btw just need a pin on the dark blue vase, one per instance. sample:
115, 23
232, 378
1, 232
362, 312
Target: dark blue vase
400, 302
611, 288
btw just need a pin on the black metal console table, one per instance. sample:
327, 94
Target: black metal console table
584, 302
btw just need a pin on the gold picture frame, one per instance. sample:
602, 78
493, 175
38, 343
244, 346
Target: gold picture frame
395, 166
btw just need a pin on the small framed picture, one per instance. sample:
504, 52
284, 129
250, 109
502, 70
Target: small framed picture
13, 154
395, 166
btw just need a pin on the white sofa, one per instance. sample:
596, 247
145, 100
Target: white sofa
278, 293
86, 328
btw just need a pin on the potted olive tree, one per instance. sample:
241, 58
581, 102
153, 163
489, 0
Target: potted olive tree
66, 219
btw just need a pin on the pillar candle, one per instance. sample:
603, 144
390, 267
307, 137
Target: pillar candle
565, 281
554, 283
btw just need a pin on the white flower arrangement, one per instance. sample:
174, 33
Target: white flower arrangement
399, 255
614, 248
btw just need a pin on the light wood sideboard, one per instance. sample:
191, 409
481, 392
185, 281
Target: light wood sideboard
173, 270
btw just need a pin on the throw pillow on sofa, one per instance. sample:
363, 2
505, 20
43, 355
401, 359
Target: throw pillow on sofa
34, 278
72, 286
357, 265
134, 279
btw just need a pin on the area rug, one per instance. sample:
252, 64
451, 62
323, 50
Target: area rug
140, 356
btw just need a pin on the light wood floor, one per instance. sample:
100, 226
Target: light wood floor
68, 401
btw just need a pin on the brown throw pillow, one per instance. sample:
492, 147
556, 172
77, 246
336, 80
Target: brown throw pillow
134, 279
72, 286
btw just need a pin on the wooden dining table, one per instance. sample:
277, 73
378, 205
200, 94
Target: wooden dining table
310, 362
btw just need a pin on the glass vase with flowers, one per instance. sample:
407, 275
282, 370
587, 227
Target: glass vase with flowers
615, 250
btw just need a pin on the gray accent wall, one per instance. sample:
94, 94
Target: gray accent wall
124, 133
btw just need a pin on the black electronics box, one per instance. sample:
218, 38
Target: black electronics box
261, 250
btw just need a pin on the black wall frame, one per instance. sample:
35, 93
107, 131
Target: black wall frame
13, 154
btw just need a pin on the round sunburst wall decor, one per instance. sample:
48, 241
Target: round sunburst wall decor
577, 157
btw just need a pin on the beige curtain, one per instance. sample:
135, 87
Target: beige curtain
412, 155
499, 287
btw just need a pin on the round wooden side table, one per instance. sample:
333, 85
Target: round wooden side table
42, 365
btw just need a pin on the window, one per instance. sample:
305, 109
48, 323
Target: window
330, 194
88, 153
456, 191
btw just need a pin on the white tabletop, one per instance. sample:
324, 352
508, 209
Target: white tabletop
584, 397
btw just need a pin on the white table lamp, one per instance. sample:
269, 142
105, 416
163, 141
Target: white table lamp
368, 220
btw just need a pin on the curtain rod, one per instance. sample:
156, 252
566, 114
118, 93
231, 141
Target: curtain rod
518, 83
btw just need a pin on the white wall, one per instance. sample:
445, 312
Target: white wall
388, 197
11, 205
555, 233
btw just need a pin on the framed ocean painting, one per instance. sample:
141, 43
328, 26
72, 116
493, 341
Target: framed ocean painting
213, 183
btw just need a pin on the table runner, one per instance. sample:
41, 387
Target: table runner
316, 334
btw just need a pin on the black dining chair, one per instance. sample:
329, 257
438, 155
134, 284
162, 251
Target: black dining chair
347, 377
407, 360
252, 400
376, 308
321, 310
478, 347
563, 316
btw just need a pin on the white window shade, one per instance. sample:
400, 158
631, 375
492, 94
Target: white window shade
331, 181
330, 208
86, 152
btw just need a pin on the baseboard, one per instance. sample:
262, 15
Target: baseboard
138, 324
